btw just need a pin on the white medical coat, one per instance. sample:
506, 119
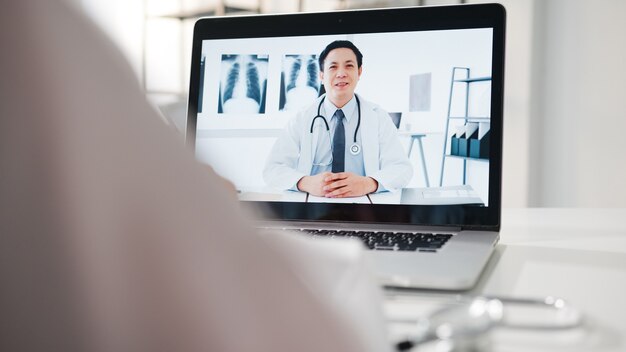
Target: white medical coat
384, 158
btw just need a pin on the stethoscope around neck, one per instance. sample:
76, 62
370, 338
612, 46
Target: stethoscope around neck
355, 148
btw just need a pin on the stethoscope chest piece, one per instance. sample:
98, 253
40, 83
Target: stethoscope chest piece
355, 149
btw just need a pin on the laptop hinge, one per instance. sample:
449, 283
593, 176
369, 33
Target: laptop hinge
354, 226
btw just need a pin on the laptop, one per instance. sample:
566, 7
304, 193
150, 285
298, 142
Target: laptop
255, 92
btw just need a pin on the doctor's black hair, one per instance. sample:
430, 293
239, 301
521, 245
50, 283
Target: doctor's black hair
340, 44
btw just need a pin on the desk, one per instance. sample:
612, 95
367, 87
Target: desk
576, 254
462, 194
267, 194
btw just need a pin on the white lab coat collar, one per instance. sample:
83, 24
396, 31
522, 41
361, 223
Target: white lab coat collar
348, 109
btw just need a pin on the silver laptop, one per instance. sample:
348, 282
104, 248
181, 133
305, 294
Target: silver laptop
294, 110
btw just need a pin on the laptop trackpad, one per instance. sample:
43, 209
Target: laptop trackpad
457, 266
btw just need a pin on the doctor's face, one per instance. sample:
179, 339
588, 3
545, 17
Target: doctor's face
340, 75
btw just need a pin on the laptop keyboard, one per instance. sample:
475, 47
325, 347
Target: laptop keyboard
389, 241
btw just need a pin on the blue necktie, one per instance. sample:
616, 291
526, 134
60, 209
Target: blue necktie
339, 143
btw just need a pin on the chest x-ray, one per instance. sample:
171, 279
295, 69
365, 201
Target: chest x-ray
243, 84
299, 81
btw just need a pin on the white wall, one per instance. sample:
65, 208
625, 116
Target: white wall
564, 116
122, 20
578, 123
517, 91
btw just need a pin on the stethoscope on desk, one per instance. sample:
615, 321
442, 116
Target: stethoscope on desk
355, 148
461, 325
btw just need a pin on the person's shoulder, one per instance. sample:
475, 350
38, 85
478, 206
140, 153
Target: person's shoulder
367, 105
304, 113
310, 109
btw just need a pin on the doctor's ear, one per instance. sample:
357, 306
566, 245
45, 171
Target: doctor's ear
360, 71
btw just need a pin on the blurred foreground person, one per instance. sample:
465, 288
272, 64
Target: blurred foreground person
112, 237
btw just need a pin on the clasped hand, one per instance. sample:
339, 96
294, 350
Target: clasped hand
337, 185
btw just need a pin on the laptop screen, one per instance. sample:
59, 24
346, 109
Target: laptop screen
417, 102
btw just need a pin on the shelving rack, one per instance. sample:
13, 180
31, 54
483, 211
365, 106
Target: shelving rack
467, 81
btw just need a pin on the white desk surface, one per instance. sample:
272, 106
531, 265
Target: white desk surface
575, 254
462, 194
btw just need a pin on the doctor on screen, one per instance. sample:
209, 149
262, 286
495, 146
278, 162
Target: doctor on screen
342, 145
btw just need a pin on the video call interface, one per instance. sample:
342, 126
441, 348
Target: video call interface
424, 130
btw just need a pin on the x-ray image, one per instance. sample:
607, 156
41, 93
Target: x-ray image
243, 84
299, 82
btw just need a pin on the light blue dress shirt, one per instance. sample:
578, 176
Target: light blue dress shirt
353, 163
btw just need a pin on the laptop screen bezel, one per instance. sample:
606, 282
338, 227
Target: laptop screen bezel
373, 21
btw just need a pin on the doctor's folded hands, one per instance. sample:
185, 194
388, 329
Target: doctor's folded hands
342, 145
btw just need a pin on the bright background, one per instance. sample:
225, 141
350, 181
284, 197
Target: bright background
565, 83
